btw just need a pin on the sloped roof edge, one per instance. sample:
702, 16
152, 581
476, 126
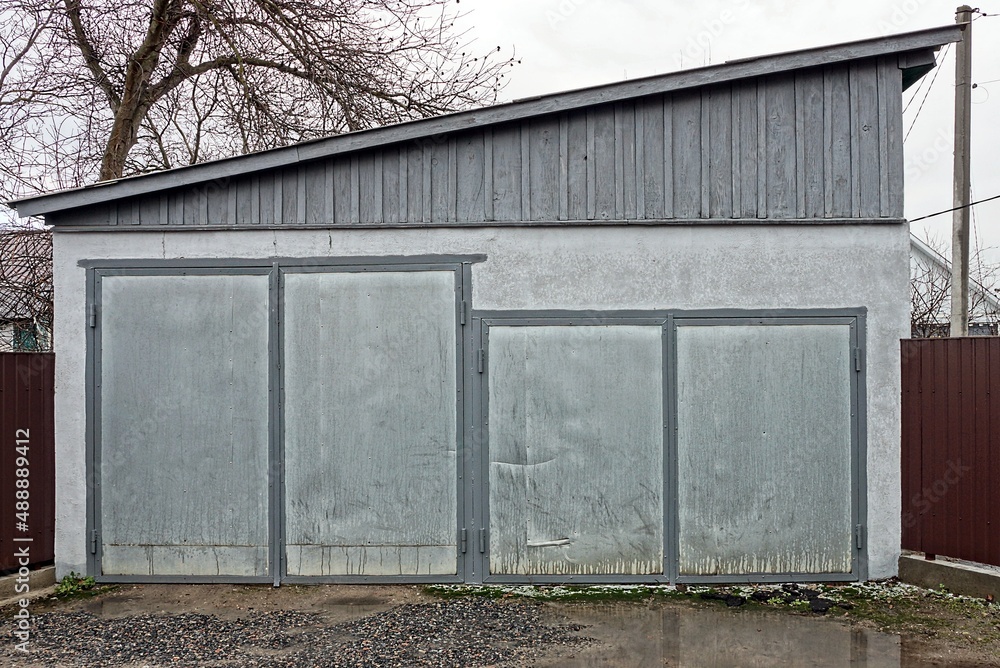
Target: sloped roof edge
743, 68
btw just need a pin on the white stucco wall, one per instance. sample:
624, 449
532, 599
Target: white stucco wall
737, 266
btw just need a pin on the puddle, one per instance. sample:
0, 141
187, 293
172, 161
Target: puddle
681, 636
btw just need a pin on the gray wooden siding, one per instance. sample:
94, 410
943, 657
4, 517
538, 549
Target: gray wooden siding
817, 143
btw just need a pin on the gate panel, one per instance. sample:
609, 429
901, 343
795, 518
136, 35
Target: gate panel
183, 440
575, 450
370, 424
764, 449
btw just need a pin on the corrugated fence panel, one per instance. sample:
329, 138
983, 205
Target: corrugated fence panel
819, 143
764, 449
576, 450
950, 452
184, 420
370, 423
27, 454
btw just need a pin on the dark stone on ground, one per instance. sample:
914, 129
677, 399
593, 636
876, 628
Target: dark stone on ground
821, 605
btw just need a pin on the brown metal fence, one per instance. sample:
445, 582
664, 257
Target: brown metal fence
27, 452
951, 447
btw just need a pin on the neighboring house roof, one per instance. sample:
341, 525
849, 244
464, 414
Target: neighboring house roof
915, 51
918, 247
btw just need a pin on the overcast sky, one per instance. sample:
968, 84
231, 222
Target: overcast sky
565, 44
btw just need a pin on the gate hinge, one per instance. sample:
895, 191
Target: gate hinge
463, 312
93, 541
93, 315
481, 355
464, 541
482, 540
859, 359
859, 536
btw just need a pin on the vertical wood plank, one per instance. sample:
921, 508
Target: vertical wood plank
762, 147
749, 150
525, 170
618, 174
342, 185
842, 175
638, 140
378, 178
278, 203
390, 185
264, 199
719, 138
706, 153
605, 169
578, 165
489, 193
427, 183
164, 214
471, 181
507, 172
629, 162
233, 203
736, 151
563, 167
890, 91
591, 164
855, 125
415, 183
367, 203
687, 163
780, 139
404, 186
441, 189
866, 129
652, 140
544, 169
314, 178
800, 147
452, 178
216, 209
828, 180
300, 193
254, 200
329, 204
811, 132
668, 156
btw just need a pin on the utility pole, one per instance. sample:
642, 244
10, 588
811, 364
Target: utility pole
962, 181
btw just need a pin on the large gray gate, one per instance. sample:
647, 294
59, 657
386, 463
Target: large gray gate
353, 420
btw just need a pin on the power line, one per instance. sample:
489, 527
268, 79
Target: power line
955, 208
926, 94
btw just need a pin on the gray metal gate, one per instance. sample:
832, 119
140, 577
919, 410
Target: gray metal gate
182, 416
766, 456
371, 422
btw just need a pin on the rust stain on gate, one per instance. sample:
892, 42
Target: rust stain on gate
26, 409
951, 447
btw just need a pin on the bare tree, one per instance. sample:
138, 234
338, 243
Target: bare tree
100, 89
930, 289
25, 289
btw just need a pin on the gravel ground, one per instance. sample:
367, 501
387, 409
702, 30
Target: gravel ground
458, 632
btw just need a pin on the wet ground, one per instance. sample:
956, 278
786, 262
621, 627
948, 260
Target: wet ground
225, 625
